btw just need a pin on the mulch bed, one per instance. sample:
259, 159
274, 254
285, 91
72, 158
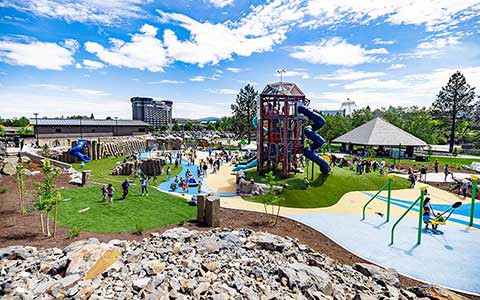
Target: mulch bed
16, 229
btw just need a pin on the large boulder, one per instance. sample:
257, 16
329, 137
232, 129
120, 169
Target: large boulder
436, 292
9, 168
380, 275
305, 277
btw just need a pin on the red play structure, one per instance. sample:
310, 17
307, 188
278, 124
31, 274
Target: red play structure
280, 131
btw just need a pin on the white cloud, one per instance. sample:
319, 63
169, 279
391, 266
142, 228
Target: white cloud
166, 81
336, 51
379, 41
67, 90
434, 47
258, 31
433, 14
94, 11
349, 74
397, 66
92, 64
221, 3
41, 55
303, 75
198, 78
223, 91
144, 51
236, 70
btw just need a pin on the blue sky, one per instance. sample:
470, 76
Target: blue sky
63, 57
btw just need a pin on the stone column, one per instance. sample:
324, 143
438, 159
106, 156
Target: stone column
85, 176
212, 211
201, 208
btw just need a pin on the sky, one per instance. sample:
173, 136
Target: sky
65, 57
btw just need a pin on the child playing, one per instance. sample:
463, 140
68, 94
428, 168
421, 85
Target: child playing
307, 183
110, 191
104, 192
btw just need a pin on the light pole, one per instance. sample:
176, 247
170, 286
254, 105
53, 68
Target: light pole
36, 127
81, 129
116, 126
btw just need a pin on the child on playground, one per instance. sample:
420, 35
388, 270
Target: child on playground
169, 172
306, 182
144, 184
110, 191
104, 192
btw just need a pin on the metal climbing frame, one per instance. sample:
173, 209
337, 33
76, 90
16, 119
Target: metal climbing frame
474, 196
387, 186
421, 198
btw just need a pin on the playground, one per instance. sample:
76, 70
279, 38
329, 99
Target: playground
371, 214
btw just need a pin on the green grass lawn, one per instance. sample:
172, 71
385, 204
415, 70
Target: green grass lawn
327, 193
101, 171
157, 210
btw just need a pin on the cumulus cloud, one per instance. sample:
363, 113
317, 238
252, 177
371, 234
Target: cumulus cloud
93, 11
198, 78
41, 55
144, 51
92, 64
397, 66
435, 15
379, 41
166, 81
221, 3
336, 51
236, 70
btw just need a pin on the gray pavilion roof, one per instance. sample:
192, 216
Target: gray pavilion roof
86, 122
379, 132
282, 88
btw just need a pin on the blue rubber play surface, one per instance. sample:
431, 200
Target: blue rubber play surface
460, 216
449, 257
165, 186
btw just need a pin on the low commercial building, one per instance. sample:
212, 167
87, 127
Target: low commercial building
86, 128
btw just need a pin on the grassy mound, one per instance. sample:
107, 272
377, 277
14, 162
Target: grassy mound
157, 210
327, 191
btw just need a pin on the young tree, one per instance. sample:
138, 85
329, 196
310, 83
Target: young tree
244, 109
176, 126
271, 199
188, 126
20, 176
454, 103
47, 194
210, 125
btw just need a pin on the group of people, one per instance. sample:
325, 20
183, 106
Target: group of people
109, 190
366, 166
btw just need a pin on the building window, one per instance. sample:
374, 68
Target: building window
141, 129
57, 130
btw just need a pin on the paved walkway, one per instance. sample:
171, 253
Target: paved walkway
448, 257
440, 177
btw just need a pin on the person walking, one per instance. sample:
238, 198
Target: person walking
144, 184
199, 186
110, 191
104, 192
435, 166
205, 167
169, 172
446, 171
125, 186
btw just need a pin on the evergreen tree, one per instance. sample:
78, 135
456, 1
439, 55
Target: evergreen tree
176, 126
92, 116
244, 109
454, 103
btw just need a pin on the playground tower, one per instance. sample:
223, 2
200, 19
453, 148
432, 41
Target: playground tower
279, 127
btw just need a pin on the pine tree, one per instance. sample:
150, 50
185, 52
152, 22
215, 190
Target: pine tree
244, 109
454, 103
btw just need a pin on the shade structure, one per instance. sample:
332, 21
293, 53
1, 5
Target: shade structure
379, 132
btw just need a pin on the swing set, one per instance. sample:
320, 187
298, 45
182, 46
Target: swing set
438, 218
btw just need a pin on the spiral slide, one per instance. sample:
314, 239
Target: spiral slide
76, 151
318, 141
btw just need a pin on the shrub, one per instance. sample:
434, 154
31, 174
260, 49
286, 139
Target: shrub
74, 232
139, 228
3, 190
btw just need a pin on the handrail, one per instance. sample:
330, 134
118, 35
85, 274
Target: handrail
474, 196
420, 213
387, 185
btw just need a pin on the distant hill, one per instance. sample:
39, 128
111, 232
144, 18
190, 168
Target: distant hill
208, 119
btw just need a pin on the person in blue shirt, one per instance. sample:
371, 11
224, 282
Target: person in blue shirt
144, 184
125, 186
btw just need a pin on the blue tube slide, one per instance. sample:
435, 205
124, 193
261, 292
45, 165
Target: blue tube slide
76, 151
317, 140
254, 123
250, 165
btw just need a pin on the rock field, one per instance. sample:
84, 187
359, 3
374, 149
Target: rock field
183, 264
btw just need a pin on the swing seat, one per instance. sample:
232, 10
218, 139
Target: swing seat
435, 222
